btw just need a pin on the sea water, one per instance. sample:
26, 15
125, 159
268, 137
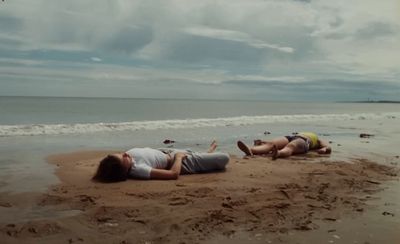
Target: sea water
33, 127
29, 116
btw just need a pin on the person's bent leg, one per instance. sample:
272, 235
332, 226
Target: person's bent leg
283, 153
280, 142
264, 148
297, 146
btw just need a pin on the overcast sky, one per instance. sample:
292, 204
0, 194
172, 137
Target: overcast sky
270, 49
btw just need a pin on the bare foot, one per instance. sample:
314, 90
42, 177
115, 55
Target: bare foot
275, 153
213, 146
244, 148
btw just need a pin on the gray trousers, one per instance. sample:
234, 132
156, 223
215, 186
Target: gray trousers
196, 162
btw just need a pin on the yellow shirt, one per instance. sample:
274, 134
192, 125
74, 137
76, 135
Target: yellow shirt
313, 139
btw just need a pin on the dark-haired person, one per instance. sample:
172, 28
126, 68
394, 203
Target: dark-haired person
161, 164
286, 146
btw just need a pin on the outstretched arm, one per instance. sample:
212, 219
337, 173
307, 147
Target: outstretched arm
324, 147
169, 174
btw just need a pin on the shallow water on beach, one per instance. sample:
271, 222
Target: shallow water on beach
22, 158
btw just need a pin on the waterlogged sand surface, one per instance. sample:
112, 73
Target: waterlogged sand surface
256, 200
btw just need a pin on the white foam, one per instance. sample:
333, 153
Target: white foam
57, 129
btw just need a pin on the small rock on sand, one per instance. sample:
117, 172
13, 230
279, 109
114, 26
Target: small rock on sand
365, 135
168, 141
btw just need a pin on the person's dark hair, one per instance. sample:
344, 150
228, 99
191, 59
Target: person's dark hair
110, 170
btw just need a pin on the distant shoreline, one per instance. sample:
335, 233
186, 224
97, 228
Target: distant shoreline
378, 101
199, 99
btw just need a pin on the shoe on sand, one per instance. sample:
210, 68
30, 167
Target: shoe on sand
244, 148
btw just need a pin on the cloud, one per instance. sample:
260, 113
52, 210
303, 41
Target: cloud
305, 1
376, 30
200, 43
96, 59
127, 40
321, 90
200, 50
19, 62
267, 79
236, 36
10, 24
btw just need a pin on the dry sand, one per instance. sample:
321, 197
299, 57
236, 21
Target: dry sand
254, 195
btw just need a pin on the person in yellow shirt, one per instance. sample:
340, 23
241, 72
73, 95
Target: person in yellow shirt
286, 146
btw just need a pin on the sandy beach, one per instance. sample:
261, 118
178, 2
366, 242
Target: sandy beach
255, 198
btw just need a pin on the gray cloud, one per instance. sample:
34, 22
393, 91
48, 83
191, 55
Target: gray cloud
304, 1
10, 27
201, 44
196, 49
324, 90
10, 24
128, 39
376, 30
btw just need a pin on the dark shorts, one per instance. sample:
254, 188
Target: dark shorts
196, 162
305, 144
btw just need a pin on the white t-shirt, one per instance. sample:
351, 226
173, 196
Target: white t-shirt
144, 159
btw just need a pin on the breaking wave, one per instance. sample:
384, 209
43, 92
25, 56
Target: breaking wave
78, 128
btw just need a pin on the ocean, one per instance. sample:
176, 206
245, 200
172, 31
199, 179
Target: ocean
30, 116
31, 128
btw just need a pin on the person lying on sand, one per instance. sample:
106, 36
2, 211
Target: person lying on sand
161, 164
286, 146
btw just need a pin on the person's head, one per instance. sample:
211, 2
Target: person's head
113, 168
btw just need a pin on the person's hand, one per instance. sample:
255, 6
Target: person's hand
324, 150
180, 155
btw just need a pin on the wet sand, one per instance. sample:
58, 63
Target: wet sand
254, 197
